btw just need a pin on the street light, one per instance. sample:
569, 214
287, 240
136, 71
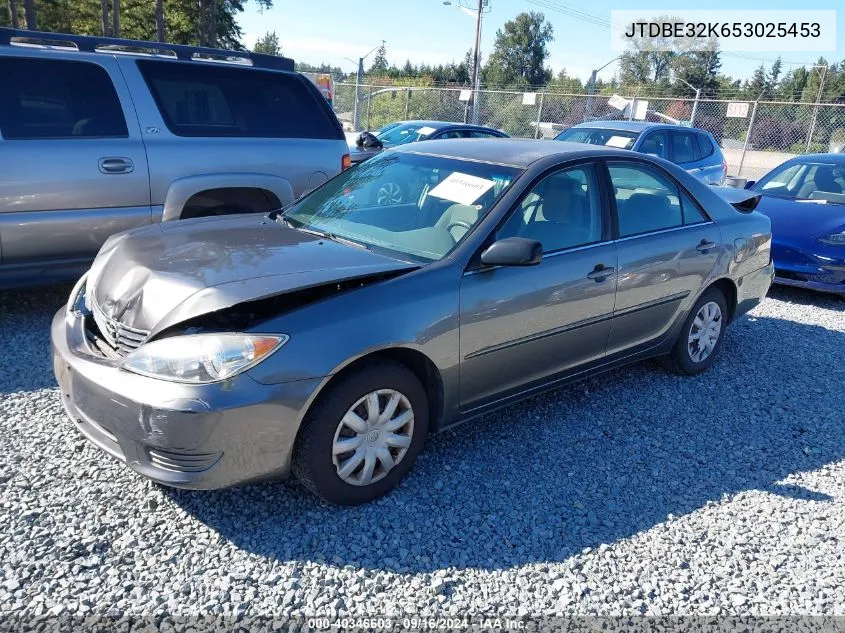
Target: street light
591, 87
356, 119
476, 63
674, 77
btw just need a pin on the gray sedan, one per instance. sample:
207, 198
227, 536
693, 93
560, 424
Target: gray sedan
331, 338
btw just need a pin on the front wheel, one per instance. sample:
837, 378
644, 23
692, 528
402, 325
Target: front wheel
701, 337
363, 435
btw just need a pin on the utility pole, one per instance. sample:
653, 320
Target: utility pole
591, 89
359, 80
476, 70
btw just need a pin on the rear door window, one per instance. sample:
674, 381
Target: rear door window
705, 147
199, 100
684, 148
646, 200
477, 134
58, 99
656, 143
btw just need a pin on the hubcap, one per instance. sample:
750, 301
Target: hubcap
705, 331
389, 193
373, 436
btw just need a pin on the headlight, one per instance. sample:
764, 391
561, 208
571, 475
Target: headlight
202, 358
77, 302
837, 239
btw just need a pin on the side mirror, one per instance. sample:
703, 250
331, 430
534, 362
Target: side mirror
368, 140
749, 184
513, 251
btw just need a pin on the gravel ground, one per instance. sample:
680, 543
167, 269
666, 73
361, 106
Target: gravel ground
636, 492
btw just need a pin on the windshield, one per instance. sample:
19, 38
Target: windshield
597, 136
411, 206
405, 133
823, 182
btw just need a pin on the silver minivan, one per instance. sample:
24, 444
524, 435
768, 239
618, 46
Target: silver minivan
99, 135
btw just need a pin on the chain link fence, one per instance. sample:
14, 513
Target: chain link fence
755, 137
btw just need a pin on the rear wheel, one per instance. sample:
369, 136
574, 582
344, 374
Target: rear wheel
363, 435
701, 336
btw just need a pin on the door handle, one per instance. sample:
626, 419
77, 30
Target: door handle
600, 273
705, 246
116, 165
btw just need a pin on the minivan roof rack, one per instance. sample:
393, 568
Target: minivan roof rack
96, 44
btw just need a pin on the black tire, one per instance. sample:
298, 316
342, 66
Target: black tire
679, 360
312, 457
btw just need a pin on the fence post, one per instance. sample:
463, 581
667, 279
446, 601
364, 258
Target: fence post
633, 107
539, 116
816, 109
407, 102
369, 107
747, 137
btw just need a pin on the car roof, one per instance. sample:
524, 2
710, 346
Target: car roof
441, 125
633, 126
828, 158
512, 152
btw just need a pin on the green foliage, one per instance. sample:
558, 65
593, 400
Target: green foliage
380, 63
520, 52
268, 44
137, 19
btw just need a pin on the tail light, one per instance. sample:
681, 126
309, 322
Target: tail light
345, 162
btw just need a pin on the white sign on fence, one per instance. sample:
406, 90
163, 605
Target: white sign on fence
641, 110
617, 102
465, 95
529, 98
738, 110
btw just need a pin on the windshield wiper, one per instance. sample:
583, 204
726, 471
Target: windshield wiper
334, 237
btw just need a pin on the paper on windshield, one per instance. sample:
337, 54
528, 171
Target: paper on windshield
425, 130
618, 141
461, 188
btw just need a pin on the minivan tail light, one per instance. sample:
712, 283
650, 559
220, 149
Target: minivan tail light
345, 162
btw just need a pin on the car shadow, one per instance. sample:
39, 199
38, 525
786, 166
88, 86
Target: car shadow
592, 463
26, 363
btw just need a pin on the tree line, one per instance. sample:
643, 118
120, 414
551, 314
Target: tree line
520, 53
195, 22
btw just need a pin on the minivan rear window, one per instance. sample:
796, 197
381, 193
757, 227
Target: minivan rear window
204, 100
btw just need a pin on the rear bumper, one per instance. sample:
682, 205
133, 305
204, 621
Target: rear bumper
186, 436
752, 287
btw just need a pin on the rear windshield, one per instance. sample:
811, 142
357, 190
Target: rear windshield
205, 100
622, 139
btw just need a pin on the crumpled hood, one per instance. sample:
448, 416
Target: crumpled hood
157, 276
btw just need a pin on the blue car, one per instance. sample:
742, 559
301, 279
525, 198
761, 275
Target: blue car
692, 149
805, 199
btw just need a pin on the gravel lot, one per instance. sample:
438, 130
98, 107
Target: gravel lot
637, 492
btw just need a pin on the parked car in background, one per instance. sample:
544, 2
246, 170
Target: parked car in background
805, 199
694, 149
102, 135
402, 132
331, 338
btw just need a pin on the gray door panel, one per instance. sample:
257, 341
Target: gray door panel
63, 197
658, 276
519, 325
303, 162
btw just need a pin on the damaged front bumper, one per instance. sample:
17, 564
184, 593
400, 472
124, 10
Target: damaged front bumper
184, 435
